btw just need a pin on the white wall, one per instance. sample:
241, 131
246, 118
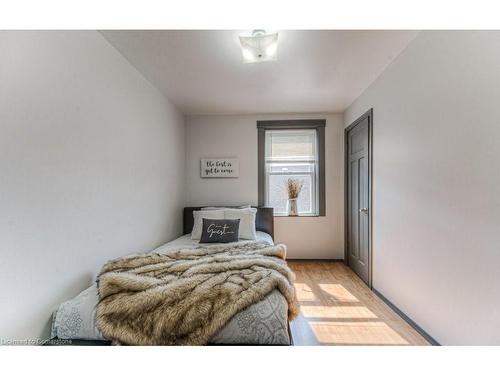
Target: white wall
436, 238
90, 159
236, 136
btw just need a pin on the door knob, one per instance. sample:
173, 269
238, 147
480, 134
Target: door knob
363, 210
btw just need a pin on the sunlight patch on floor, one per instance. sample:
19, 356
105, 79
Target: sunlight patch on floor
338, 292
356, 333
337, 312
304, 292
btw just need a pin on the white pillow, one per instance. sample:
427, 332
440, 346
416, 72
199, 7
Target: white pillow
198, 221
247, 221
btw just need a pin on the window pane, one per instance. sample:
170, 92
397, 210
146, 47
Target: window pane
291, 154
291, 145
305, 202
291, 167
278, 194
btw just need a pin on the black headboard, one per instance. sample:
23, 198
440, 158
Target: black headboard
264, 220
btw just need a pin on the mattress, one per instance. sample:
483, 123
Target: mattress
263, 323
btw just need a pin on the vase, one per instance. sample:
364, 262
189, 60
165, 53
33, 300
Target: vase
292, 207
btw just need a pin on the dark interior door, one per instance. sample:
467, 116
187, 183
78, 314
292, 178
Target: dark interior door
358, 197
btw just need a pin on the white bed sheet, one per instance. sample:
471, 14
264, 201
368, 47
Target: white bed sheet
185, 242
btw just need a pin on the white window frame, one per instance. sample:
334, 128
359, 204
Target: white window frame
302, 124
313, 173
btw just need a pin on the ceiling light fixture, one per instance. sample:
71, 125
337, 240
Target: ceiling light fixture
259, 46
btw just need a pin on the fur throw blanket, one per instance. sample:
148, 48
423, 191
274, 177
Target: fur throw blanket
186, 296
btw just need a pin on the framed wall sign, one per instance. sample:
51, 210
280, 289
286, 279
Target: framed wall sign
220, 168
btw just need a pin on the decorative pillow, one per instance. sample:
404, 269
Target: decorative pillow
222, 231
198, 223
247, 221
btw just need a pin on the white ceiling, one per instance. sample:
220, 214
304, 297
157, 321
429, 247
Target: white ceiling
202, 72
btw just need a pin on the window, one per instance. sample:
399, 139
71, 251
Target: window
292, 149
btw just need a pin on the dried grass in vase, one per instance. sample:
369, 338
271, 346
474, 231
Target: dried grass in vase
293, 187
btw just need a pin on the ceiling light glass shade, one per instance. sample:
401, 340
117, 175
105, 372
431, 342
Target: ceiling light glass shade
259, 47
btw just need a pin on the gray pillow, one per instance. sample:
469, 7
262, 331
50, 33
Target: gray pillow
220, 230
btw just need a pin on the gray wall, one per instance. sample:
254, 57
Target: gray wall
236, 136
90, 159
436, 182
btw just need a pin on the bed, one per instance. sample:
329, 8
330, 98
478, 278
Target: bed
262, 323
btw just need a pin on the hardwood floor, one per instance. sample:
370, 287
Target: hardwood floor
337, 308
